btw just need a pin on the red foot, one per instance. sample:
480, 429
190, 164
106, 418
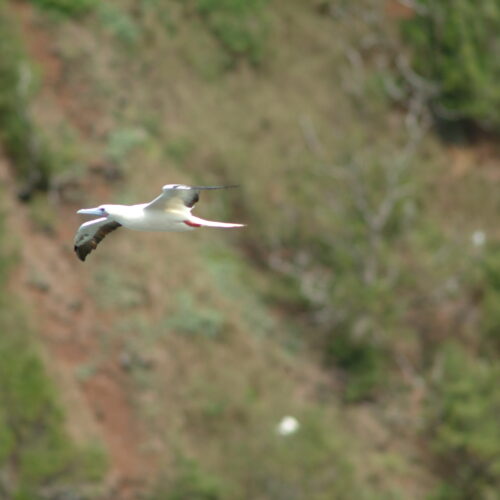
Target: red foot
192, 224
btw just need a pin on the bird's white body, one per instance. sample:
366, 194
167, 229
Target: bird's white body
137, 217
171, 211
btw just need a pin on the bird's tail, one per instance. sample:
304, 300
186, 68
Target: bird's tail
194, 221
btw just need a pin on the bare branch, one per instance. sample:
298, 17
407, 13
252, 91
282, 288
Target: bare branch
417, 82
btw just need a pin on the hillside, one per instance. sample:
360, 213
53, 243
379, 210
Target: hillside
361, 298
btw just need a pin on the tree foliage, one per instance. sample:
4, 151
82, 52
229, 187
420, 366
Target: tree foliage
455, 45
463, 409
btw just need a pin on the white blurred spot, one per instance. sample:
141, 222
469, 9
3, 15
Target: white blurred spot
478, 238
287, 426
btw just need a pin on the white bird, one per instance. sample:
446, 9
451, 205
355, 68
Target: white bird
171, 211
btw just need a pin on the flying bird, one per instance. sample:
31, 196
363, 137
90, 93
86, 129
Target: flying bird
171, 211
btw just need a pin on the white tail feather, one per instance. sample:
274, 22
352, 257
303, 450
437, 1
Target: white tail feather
210, 223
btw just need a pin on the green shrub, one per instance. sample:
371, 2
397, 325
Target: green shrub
66, 7
314, 463
455, 45
189, 481
32, 440
352, 269
195, 319
35, 453
123, 141
490, 291
239, 25
361, 360
119, 23
179, 149
33, 444
463, 422
23, 143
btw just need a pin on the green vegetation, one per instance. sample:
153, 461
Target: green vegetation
261, 464
21, 139
35, 452
195, 319
462, 419
490, 285
35, 157
455, 46
361, 361
118, 22
189, 482
66, 7
36, 456
363, 295
239, 25
121, 142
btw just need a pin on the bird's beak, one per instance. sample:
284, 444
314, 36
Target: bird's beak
90, 211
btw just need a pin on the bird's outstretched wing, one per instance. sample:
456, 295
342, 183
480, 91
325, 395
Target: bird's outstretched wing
180, 196
91, 233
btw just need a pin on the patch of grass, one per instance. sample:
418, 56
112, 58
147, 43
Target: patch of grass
239, 25
462, 420
115, 290
42, 213
8, 257
310, 464
179, 149
119, 23
193, 318
242, 456
35, 453
70, 8
231, 277
189, 481
490, 303
123, 141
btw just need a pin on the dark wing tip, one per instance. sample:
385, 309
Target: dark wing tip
85, 248
81, 252
193, 197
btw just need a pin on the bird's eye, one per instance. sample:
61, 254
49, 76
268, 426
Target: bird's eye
102, 210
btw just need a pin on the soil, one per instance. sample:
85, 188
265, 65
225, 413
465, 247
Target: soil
55, 286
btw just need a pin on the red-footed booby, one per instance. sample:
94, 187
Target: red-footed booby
171, 211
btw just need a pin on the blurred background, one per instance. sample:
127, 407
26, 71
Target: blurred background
345, 344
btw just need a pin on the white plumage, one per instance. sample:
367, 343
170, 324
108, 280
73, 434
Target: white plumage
171, 211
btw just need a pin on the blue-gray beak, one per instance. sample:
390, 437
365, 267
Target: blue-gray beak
91, 211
